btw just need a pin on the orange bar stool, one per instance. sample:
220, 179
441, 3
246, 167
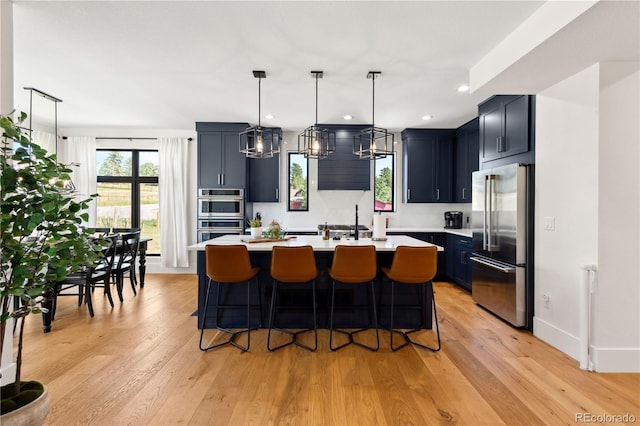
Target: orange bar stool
292, 265
413, 265
228, 265
354, 265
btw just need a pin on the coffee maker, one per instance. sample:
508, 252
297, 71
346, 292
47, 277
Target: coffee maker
453, 220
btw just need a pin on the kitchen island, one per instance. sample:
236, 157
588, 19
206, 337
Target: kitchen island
299, 296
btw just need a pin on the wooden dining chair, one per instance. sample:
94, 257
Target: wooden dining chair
86, 281
126, 261
413, 266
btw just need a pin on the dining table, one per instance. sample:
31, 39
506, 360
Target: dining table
142, 268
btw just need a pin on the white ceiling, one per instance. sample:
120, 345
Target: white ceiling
166, 65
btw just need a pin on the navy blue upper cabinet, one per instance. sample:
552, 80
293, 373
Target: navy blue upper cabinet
264, 180
427, 164
505, 129
220, 162
343, 170
467, 157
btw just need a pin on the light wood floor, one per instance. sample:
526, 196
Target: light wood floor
140, 364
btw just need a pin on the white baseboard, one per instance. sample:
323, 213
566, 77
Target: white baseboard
605, 360
8, 374
616, 360
559, 339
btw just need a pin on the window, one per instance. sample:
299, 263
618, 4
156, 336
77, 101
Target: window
384, 184
128, 195
298, 182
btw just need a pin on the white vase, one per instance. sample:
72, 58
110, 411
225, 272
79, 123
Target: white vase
256, 232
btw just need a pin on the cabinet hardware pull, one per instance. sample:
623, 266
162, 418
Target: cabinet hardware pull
437, 193
498, 144
277, 193
464, 195
219, 181
408, 194
222, 178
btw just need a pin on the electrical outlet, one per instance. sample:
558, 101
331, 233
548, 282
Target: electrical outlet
546, 299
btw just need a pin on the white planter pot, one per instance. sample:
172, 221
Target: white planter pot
29, 415
256, 232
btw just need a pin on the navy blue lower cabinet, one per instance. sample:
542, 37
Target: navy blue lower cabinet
295, 299
458, 262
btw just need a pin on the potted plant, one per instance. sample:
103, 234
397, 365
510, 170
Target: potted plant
275, 231
256, 227
42, 242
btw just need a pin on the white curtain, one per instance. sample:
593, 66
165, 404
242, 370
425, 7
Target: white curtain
173, 179
45, 140
81, 150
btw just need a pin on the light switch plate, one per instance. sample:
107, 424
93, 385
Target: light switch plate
549, 223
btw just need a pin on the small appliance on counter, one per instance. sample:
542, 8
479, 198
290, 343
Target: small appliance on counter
453, 220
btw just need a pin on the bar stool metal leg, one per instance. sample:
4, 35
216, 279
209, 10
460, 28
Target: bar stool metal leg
406, 334
350, 334
294, 334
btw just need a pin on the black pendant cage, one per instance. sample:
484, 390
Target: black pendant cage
316, 142
373, 142
260, 142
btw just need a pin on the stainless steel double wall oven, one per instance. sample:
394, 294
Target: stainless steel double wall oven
220, 212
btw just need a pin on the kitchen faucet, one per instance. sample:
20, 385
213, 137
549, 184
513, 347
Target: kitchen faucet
356, 231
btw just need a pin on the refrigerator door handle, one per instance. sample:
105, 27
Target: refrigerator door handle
490, 237
501, 268
484, 215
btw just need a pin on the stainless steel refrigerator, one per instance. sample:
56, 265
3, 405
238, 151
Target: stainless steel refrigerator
500, 224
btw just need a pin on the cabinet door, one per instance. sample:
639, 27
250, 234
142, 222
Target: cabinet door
209, 159
462, 253
491, 132
467, 160
420, 176
234, 166
516, 126
264, 179
442, 192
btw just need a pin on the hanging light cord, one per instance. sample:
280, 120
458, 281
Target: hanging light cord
373, 102
259, 91
316, 99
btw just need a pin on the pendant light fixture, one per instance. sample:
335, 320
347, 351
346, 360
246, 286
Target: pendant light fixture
258, 141
316, 142
373, 142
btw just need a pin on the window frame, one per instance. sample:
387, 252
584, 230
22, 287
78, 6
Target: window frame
289, 155
393, 182
135, 180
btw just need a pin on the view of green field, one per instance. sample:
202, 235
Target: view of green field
114, 210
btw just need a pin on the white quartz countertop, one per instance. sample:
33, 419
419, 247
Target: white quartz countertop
315, 241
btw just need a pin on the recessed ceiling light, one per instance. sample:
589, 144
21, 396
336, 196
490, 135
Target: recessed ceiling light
348, 117
463, 88
268, 116
427, 117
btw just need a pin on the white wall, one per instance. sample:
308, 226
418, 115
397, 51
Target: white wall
616, 334
587, 180
566, 189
